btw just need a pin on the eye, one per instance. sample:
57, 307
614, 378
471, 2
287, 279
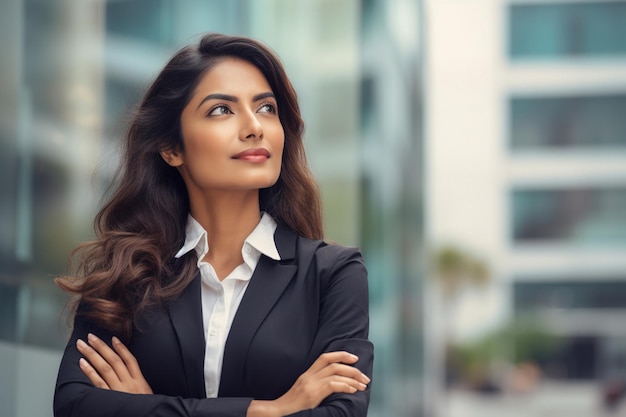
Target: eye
268, 108
219, 110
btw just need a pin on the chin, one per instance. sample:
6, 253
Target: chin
253, 184
265, 182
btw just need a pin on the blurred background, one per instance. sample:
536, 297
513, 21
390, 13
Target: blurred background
475, 150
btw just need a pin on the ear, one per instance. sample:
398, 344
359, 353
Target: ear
173, 157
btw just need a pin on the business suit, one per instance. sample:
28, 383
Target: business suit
313, 300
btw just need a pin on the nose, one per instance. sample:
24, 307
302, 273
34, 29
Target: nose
251, 127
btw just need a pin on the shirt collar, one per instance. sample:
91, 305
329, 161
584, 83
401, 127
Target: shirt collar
261, 239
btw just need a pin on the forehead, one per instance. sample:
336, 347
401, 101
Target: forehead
233, 76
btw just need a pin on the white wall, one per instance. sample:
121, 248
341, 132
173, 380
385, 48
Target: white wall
465, 153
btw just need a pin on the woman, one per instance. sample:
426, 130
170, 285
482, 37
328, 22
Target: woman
208, 291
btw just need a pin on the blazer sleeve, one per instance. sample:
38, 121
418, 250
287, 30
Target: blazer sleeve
75, 396
343, 324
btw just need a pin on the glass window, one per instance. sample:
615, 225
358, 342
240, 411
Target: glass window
155, 27
583, 294
567, 30
565, 122
8, 312
581, 215
368, 117
172, 22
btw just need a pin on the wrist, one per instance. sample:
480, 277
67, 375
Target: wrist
262, 408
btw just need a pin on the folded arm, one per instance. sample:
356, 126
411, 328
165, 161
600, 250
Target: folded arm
330, 388
343, 325
77, 396
117, 369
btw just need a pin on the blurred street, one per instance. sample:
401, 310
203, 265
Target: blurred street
550, 399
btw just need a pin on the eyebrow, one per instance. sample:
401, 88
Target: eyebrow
227, 97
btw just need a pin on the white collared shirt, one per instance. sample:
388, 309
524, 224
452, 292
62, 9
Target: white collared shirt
220, 299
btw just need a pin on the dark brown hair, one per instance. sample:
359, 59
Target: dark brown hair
131, 265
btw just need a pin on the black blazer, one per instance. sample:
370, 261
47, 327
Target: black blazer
314, 300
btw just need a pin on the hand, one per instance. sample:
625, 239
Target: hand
331, 373
111, 369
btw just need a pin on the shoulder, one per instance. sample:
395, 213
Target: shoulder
323, 259
339, 276
332, 261
324, 251
333, 255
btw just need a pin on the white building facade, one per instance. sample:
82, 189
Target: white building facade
526, 168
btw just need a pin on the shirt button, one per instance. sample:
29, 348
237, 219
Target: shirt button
211, 391
212, 332
248, 249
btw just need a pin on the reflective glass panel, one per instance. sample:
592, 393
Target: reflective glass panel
591, 122
581, 294
581, 215
567, 29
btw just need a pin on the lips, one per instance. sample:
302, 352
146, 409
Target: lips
253, 155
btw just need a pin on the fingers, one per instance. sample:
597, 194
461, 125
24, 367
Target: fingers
328, 375
109, 355
106, 361
335, 378
331, 373
95, 357
333, 357
333, 384
91, 373
344, 371
115, 369
127, 357
337, 363
103, 360
337, 383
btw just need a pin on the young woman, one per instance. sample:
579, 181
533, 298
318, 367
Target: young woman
208, 290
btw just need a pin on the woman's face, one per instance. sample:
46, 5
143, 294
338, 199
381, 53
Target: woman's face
232, 136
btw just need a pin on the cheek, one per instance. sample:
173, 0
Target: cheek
279, 142
281, 147
205, 144
279, 151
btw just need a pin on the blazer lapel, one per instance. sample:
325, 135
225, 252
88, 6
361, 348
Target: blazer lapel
268, 282
186, 316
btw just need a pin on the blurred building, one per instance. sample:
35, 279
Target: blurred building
526, 167
392, 193
71, 73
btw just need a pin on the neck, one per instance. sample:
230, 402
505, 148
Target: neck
228, 219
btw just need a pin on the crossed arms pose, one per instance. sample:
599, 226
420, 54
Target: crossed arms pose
209, 290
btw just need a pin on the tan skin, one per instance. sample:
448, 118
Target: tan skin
232, 111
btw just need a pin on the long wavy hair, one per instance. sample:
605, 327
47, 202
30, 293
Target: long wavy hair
130, 265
